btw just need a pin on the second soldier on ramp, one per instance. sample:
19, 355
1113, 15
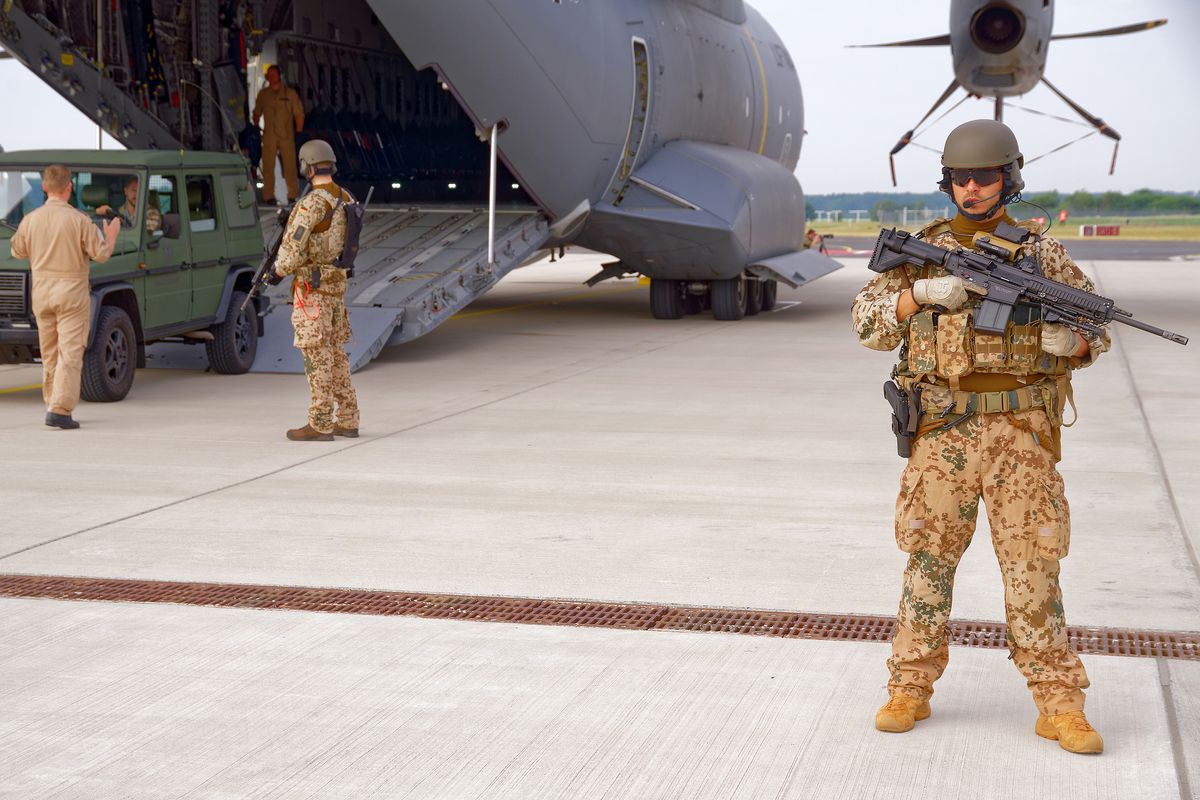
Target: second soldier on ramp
313, 242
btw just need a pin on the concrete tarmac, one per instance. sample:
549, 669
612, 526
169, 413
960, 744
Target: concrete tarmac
554, 441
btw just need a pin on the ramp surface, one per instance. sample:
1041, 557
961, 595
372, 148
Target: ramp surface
416, 268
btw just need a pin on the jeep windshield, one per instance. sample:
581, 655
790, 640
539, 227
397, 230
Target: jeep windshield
101, 194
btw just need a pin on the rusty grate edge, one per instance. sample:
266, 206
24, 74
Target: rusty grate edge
536, 611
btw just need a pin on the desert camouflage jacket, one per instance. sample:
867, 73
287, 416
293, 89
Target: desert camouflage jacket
314, 238
874, 310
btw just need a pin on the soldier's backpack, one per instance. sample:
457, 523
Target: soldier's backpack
356, 212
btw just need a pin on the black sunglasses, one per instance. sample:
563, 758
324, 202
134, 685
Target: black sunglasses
984, 176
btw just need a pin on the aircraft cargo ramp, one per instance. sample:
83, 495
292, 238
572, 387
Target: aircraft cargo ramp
416, 268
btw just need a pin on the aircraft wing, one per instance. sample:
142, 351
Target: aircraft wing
732, 10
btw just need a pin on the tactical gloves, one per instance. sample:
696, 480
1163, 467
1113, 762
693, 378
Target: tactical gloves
949, 292
1059, 340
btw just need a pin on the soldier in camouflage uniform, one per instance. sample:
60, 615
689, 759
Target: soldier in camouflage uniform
992, 408
315, 237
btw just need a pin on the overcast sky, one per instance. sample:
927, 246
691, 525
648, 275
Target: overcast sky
858, 102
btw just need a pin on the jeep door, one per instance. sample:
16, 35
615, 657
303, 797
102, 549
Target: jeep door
209, 262
167, 298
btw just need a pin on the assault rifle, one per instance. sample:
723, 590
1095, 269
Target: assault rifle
266, 270
1008, 283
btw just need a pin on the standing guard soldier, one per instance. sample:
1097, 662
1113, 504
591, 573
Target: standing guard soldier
59, 240
283, 113
314, 239
992, 407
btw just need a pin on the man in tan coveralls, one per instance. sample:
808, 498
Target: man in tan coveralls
314, 239
992, 408
283, 112
58, 240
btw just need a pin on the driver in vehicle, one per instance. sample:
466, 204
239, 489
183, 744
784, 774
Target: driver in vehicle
128, 211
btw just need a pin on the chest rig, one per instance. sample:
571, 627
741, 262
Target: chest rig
946, 348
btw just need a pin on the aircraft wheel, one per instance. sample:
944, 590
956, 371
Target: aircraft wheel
728, 298
666, 298
770, 295
754, 297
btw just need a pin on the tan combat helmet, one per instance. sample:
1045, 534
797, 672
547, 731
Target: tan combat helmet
984, 143
313, 152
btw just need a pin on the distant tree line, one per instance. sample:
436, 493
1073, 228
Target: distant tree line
1140, 202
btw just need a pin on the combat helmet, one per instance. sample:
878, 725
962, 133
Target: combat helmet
316, 151
984, 143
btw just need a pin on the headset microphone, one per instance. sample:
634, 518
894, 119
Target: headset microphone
973, 203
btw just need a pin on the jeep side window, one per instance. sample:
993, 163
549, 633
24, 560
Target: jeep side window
202, 211
163, 199
107, 195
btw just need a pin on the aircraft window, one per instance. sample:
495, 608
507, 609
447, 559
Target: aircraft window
202, 212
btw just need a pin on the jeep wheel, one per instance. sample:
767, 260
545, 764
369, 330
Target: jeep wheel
109, 364
235, 340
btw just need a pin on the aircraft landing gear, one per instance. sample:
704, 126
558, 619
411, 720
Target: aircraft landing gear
668, 298
770, 294
728, 298
754, 297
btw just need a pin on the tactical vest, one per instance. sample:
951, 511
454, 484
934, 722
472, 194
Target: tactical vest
946, 347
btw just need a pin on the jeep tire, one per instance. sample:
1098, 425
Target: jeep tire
109, 363
235, 339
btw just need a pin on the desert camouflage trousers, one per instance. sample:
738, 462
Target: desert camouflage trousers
322, 331
1002, 459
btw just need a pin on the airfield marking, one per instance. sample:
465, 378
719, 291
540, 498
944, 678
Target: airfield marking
16, 389
1182, 645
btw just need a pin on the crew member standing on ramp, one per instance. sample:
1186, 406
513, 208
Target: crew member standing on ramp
283, 115
988, 410
58, 240
312, 245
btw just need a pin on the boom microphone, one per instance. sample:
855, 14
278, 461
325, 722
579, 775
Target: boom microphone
973, 203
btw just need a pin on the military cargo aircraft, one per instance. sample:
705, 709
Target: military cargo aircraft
663, 132
999, 50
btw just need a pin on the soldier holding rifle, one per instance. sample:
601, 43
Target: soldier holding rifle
987, 412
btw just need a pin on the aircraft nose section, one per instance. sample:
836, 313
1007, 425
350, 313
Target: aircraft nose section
540, 70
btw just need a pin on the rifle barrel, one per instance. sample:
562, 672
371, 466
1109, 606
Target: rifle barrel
1168, 335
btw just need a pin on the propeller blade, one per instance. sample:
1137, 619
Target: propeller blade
931, 41
1140, 26
1095, 122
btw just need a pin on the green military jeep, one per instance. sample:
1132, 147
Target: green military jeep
189, 245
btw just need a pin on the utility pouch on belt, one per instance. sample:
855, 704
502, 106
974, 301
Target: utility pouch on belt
906, 415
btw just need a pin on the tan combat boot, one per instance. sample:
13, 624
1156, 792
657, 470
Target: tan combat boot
1072, 731
900, 713
343, 430
308, 434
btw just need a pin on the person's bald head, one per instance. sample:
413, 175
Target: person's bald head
56, 180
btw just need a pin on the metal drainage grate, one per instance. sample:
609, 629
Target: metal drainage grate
534, 611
